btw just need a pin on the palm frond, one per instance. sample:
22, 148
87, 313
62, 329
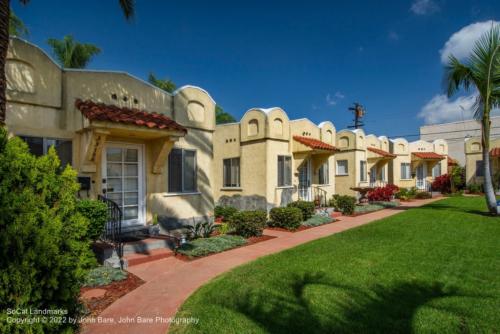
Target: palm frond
457, 75
128, 8
72, 54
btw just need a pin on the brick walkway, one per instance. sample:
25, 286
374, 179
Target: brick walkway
170, 281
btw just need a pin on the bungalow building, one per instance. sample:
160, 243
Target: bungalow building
474, 173
267, 160
417, 163
149, 151
362, 161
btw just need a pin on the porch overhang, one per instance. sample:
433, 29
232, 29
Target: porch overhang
307, 145
376, 156
431, 158
103, 121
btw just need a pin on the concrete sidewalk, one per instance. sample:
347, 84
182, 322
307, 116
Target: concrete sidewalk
170, 281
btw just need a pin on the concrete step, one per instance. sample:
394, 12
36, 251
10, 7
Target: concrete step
146, 245
134, 259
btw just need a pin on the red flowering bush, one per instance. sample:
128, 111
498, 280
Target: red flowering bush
442, 184
383, 194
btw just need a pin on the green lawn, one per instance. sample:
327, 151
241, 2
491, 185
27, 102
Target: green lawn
431, 269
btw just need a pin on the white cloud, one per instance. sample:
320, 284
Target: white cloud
440, 109
461, 43
332, 100
424, 7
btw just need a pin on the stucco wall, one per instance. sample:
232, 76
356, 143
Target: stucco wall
473, 153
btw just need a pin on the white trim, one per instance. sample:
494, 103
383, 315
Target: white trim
141, 220
181, 194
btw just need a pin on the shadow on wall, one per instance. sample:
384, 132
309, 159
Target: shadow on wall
313, 303
251, 202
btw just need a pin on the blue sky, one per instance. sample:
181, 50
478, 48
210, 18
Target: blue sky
312, 58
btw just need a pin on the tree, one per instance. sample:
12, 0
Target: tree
166, 84
222, 117
44, 242
127, 7
16, 26
72, 54
481, 72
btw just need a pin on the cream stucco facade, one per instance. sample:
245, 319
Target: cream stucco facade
41, 106
474, 158
260, 163
417, 163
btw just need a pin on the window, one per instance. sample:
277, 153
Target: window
405, 171
284, 171
182, 171
382, 174
362, 171
342, 167
39, 146
323, 173
436, 170
231, 172
479, 168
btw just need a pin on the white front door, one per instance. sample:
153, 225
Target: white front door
305, 181
421, 173
123, 180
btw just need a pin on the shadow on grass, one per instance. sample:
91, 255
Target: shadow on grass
345, 309
446, 207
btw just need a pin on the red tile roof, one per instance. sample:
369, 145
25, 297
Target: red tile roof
381, 152
428, 155
495, 152
314, 143
104, 112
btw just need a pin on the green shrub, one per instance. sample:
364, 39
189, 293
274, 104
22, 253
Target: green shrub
406, 194
44, 249
423, 195
96, 213
224, 212
249, 223
289, 218
318, 220
475, 188
346, 204
332, 202
101, 275
224, 228
202, 247
200, 229
307, 208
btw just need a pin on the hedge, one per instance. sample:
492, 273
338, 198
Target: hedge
249, 223
289, 218
307, 208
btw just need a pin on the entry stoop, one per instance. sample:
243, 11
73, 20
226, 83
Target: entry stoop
147, 249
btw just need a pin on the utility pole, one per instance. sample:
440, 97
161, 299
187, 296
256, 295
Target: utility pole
359, 112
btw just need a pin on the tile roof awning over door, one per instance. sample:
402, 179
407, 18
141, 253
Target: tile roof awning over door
311, 145
495, 152
129, 117
428, 156
378, 154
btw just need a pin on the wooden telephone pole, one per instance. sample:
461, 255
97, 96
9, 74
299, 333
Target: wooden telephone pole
359, 112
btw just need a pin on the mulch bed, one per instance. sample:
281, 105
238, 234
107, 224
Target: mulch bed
250, 241
114, 291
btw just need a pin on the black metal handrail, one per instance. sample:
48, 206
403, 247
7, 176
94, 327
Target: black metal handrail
113, 230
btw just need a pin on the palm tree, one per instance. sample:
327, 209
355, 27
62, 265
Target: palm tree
72, 54
166, 84
127, 7
16, 26
481, 72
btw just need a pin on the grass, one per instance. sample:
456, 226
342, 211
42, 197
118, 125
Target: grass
318, 220
429, 269
101, 275
205, 246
